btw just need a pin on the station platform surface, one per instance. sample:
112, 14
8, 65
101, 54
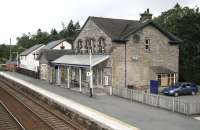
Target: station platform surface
121, 114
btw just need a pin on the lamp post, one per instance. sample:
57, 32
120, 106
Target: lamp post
91, 74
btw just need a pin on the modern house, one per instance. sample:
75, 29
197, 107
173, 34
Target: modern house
28, 58
124, 53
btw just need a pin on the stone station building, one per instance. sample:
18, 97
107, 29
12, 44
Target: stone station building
124, 53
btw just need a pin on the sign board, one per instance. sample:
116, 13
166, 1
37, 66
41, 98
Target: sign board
88, 74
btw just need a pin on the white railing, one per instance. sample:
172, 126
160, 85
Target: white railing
174, 104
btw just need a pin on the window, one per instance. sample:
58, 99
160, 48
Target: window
34, 55
92, 46
166, 79
87, 45
101, 45
147, 44
159, 79
79, 45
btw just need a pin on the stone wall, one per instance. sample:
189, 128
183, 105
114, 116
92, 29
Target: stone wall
140, 60
92, 31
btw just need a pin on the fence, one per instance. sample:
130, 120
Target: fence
28, 72
174, 104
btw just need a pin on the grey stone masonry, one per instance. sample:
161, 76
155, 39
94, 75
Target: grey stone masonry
130, 62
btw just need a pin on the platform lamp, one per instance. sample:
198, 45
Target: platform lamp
91, 75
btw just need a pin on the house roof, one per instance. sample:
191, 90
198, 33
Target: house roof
120, 29
162, 70
29, 50
11, 62
52, 44
115, 27
80, 60
51, 55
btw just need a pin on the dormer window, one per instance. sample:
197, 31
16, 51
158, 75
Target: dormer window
147, 44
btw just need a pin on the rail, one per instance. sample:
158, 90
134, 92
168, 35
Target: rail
12, 116
39, 104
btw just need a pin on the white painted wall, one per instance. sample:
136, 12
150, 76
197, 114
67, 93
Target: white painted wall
29, 62
65, 44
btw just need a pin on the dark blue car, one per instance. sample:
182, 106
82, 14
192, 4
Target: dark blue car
184, 88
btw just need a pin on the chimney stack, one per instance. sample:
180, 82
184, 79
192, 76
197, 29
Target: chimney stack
145, 16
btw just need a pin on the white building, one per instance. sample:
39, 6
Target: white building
28, 58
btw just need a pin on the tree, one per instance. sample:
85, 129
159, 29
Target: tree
184, 23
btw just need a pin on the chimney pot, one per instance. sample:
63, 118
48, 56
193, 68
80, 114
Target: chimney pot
145, 16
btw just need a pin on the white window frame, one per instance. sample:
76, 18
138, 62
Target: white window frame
147, 44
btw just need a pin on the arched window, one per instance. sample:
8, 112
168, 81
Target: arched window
90, 45
92, 40
80, 44
101, 45
87, 45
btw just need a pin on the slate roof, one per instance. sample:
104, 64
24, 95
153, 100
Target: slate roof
11, 62
52, 44
51, 55
162, 70
115, 27
28, 51
120, 29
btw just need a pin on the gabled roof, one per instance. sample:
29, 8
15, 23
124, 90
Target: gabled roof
52, 44
33, 48
115, 27
120, 29
172, 37
51, 55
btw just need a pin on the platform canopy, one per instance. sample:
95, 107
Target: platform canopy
162, 70
80, 60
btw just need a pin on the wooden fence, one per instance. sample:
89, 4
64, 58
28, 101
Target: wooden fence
174, 104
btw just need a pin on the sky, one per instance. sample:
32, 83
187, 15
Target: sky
23, 16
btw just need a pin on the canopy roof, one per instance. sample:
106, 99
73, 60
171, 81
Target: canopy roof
80, 60
162, 70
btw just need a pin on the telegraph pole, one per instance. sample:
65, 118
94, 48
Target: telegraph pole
10, 58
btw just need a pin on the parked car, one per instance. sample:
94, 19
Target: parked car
184, 88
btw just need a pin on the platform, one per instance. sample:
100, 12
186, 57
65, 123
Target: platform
114, 112
91, 114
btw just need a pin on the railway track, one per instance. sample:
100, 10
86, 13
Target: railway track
52, 117
7, 120
28, 119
